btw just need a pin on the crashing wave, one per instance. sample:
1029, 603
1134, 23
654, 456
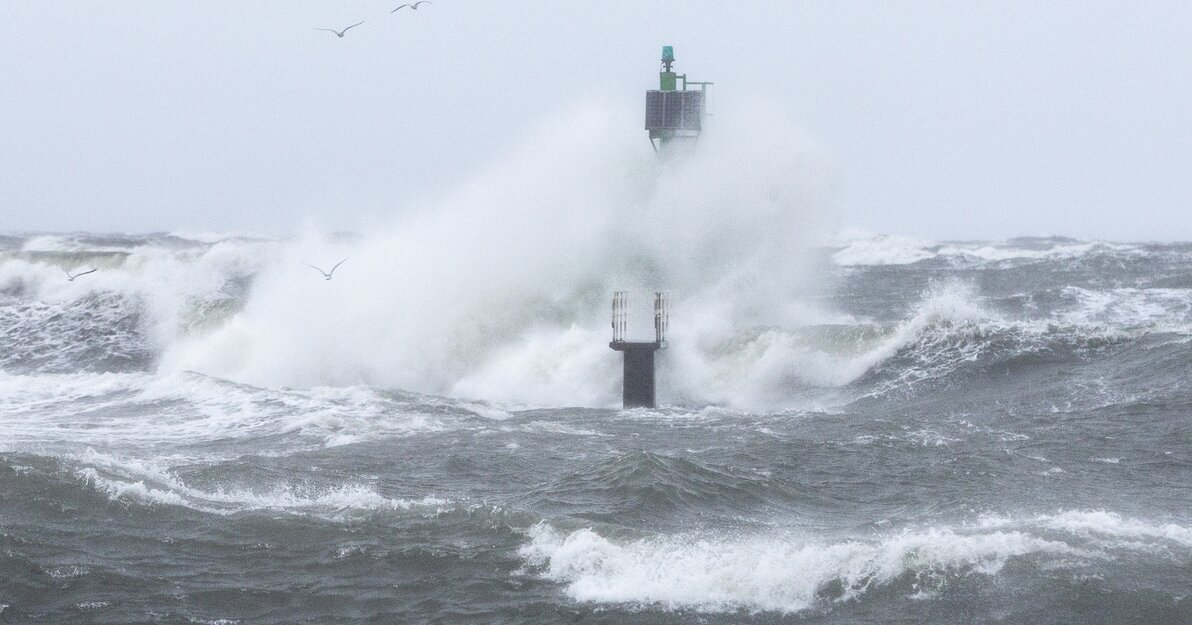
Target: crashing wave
792, 573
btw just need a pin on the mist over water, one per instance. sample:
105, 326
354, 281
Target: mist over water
854, 428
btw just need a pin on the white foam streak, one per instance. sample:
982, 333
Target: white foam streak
1105, 527
152, 483
143, 411
1156, 308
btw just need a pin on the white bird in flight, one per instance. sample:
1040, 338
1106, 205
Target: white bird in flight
70, 278
340, 33
327, 274
412, 6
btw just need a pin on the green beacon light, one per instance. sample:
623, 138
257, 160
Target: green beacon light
674, 114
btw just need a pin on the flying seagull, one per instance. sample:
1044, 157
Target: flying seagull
70, 278
327, 274
412, 6
340, 33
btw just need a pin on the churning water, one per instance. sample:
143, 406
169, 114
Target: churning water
871, 430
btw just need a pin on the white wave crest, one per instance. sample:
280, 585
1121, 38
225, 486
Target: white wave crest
716, 574
724, 573
759, 373
882, 250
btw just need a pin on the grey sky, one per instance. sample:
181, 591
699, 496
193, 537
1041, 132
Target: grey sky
941, 120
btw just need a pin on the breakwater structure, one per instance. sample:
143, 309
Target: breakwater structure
674, 120
638, 386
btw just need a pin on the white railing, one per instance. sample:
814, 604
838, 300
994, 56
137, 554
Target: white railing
621, 312
661, 315
620, 316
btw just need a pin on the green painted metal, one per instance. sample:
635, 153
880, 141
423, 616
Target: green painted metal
667, 80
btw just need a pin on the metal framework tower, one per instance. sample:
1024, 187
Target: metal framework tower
674, 118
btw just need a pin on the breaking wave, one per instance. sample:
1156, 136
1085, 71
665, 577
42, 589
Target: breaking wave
499, 292
246, 311
793, 573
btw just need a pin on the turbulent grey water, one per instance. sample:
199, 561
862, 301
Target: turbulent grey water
980, 433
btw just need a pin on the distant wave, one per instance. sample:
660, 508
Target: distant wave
877, 250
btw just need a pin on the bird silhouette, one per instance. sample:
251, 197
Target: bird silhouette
412, 6
326, 274
340, 33
70, 278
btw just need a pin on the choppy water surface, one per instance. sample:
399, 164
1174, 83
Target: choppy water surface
204, 432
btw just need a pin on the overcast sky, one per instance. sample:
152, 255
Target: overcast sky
939, 119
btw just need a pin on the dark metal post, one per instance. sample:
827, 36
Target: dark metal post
638, 391
638, 380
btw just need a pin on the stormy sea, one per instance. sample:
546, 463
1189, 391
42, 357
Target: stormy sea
206, 431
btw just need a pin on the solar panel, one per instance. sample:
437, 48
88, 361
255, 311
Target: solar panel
693, 104
674, 110
654, 118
